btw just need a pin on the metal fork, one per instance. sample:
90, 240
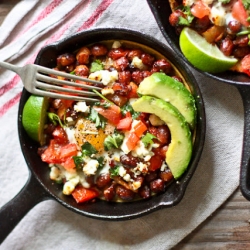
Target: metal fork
36, 80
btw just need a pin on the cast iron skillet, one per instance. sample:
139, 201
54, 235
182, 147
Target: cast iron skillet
161, 11
39, 187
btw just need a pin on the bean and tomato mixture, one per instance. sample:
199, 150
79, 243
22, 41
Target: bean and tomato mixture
225, 23
105, 149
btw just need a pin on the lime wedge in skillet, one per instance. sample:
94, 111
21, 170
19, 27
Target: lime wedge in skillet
34, 116
203, 55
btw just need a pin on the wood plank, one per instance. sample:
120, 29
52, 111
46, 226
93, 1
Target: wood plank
227, 228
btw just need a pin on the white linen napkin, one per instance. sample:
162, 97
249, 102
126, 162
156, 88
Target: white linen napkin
33, 24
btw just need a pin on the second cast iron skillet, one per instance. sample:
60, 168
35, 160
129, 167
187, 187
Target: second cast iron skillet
161, 11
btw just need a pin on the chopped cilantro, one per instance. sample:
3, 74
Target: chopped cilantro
183, 21
100, 161
128, 108
103, 97
224, 1
114, 171
78, 160
99, 120
246, 4
148, 139
87, 150
96, 66
187, 20
113, 141
54, 118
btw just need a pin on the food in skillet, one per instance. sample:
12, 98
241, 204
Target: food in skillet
214, 35
132, 143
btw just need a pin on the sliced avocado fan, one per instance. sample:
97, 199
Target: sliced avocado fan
180, 149
168, 89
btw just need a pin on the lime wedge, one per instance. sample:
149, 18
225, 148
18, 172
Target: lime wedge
34, 116
203, 55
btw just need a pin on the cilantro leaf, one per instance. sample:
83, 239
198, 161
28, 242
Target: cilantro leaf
183, 21
99, 120
148, 139
88, 149
54, 118
128, 108
113, 141
100, 161
187, 20
246, 4
96, 66
78, 160
114, 171
224, 1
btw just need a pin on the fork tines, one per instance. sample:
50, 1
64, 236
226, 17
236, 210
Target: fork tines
46, 83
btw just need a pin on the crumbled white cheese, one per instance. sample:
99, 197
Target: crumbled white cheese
55, 174
83, 181
124, 146
141, 167
163, 166
127, 177
141, 151
147, 157
90, 167
71, 134
137, 63
188, 2
70, 185
81, 107
218, 14
104, 76
107, 91
122, 171
136, 185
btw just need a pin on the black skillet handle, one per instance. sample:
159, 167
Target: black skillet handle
245, 161
12, 212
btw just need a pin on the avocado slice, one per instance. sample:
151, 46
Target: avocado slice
166, 88
180, 149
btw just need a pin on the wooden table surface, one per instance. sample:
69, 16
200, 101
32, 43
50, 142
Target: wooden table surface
228, 228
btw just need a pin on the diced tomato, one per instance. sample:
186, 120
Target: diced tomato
199, 10
132, 141
245, 64
69, 163
82, 194
140, 128
112, 113
57, 153
60, 135
239, 13
52, 153
155, 162
125, 123
67, 151
133, 92
67, 103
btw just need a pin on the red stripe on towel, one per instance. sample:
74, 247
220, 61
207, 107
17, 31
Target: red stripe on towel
43, 14
93, 18
9, 104
96, 14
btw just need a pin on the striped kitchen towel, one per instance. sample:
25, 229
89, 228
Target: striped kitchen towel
33, 24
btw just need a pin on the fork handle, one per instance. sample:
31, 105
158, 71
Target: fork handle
10, 67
